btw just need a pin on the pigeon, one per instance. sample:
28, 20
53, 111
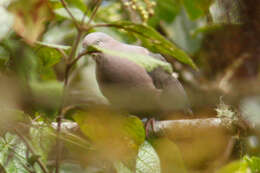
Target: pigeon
129, 86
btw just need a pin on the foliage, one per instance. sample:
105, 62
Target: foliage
41, 56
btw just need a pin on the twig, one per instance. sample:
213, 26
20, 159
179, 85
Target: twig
62, 52
70, 61
80, 56
70, 14
230, 71
187, 128
31, 149
94, 12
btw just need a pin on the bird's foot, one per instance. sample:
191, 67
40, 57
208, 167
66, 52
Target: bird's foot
149, 127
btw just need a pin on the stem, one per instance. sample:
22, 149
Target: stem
94, 12
70, 14
70, 61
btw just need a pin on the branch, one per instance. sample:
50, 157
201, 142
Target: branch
70, 14
31, 149
94, 12
80, 56
70, 61
183, 129
189, 128
62, 52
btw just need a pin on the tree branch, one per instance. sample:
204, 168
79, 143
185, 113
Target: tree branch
64, 4
183, 129
70, 61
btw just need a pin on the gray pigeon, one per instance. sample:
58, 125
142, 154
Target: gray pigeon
128, 85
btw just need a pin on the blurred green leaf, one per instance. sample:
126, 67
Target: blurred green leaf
42, 142
47, 93
147, 159
6, 22
235, 167
180, 31
110, 12
145, 61
207, 29
71, 3
48, 56
165, 10
30, 19
77, 14
12, 154
247, 164
197, 8
253, 162
107, 129
170, 156
155, 41
58, 34
121, 168
4, 57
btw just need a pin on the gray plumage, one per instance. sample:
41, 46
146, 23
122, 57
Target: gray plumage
128, 85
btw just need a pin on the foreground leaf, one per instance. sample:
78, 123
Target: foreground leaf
77, 14
29, 19
147, 159
197, 8
253, 163
6, 22
170, 156
121, 168
107, 129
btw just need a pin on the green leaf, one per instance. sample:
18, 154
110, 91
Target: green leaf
47, 93
145, 61
107, 129
165, 10
13, 154
207, 29
30, 19
170, 156
235, 167
71, 3
180, 31
121, 168
42, 142
48, 56
147, 159
154, 41
77, 14
6, 22
4, 57
197, 8
253, 163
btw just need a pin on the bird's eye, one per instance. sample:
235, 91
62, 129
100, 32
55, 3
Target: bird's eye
97, 42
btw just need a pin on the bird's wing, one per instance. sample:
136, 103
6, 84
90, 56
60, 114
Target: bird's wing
171, 88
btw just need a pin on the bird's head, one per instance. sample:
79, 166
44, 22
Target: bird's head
97, 39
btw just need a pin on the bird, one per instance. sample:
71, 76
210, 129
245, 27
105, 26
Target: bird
130, 86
